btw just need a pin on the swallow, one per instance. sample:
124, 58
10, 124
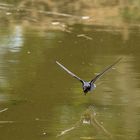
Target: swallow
88, 86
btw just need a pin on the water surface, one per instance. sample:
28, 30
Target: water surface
43, 100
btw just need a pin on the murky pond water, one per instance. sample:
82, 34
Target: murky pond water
41, 100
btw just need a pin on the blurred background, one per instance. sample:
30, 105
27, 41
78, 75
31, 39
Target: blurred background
38, 100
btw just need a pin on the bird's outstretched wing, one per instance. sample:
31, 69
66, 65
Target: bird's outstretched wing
103, 72
72, 74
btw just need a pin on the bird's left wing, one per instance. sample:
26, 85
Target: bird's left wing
103, 72
72, 74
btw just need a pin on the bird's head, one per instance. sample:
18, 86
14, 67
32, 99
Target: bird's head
86, 89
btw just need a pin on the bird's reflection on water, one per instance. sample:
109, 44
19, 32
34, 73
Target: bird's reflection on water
88, 117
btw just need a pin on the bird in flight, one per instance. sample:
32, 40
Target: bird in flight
88, 86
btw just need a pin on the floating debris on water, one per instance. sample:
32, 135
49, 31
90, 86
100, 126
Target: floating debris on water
85, 36
3, 110
8, 13
28, 52
85, 17
60, 41
2, 122
87, 138
55, 23
102, 122
44, 133
37, 119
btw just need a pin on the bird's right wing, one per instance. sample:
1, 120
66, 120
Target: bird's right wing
72, 74
104, 71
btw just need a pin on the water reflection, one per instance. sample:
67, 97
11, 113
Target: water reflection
10, 42
52, 102
88, 118
15, 40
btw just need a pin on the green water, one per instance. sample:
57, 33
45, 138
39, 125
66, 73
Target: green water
42, 100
